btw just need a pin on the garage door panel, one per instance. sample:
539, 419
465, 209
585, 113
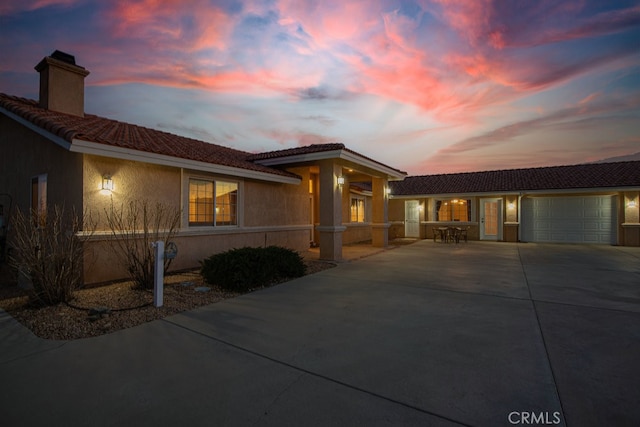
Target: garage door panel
584, 219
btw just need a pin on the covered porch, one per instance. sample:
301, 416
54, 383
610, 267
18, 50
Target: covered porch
348, 195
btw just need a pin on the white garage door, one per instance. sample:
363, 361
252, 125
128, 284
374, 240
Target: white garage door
586, 219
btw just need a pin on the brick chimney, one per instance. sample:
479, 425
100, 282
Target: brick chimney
62, 84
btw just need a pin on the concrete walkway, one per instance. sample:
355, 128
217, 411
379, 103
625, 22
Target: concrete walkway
478, 334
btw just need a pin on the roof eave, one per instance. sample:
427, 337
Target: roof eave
95, 148
37, 129
517, 192
393, 174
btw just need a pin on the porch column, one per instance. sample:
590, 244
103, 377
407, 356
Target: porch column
330, 228
380, 212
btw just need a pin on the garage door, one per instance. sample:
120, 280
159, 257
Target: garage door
587, 219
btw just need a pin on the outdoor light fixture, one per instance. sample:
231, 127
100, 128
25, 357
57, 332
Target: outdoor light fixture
341, 180
511, 205
388, 190
107, 183
631, 204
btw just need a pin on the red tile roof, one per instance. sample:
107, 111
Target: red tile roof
114, 133
315, 148
309, 149
592, 175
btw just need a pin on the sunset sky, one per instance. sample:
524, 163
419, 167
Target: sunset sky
429, 86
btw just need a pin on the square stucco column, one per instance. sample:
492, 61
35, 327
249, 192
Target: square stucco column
330, 229
380, 212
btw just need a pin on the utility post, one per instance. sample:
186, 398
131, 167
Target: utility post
158, 274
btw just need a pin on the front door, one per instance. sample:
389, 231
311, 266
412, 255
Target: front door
491, 219
411, 218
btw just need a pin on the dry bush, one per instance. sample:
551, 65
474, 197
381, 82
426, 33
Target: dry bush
134, 227
47, 248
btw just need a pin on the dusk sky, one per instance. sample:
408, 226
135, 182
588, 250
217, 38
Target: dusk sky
429, 86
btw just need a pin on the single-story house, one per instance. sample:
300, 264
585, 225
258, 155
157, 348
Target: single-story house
326, 195
587, 203
54, 153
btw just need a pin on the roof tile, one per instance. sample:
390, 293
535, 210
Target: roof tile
591, 175
97, 129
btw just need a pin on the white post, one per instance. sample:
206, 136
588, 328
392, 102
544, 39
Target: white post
158, 274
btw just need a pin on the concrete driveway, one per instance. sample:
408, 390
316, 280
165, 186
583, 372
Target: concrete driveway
478, 334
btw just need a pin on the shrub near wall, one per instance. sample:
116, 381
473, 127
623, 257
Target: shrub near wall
247, 268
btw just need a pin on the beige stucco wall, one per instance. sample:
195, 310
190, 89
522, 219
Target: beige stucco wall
274, 204
356, 232
630, 227
102, 265
269, 213
132, 181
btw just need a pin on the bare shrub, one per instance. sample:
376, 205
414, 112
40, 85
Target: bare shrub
134, 227
47, 248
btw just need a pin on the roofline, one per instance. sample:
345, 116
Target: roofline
37, 129
98, 149
343, 154
518, 193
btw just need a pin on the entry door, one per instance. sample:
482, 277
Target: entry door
491, 219
411, 218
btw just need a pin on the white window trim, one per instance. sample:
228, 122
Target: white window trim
187, 177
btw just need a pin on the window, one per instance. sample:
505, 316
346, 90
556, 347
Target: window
39, 195
226, 203
212, 202
357, 209
453, 210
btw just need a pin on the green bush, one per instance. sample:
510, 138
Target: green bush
246, 268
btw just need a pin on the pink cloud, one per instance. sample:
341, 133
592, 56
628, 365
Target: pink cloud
162, 22
329, 22
301, 138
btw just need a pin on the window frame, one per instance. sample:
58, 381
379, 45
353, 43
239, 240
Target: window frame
438, 202
363, 199
38, 194
214, 223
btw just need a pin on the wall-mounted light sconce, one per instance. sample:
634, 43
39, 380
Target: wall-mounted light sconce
341, 180
631, 204
387, 190
420, 208
511, 205
107, 184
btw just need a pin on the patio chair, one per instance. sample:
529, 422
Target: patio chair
461, 233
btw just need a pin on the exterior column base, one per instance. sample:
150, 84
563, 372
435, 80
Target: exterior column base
631, 234
380, 235
330, 242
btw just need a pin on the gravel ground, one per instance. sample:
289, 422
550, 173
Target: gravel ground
106, 309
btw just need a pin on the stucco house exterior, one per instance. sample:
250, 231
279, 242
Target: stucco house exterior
54, 153
589, 203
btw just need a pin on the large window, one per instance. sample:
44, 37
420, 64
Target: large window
453, 210
357, 209
213, 202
